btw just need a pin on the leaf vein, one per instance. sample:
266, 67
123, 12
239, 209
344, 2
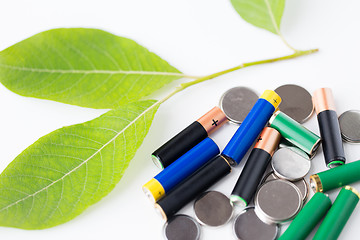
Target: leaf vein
85, 161
94, 71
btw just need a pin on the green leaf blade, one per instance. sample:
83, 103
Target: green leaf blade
64, 172
264, 14
85, 67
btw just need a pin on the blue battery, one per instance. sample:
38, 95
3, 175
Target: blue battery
251, 127
183, 167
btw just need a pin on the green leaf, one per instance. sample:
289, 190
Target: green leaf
261, 13
85, 67
66, 171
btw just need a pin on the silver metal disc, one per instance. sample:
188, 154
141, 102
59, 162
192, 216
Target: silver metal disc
247, 226
350, 126
289, 165
237, 102
296, 102
277, 201
302, 185
182, 227
213, 209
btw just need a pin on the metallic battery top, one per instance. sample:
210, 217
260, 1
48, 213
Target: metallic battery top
268, 140
212, 120
323, 99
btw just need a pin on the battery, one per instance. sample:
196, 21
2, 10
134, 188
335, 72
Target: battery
213, 209
329, 127
335, 177
202, 179
295, 133
188, 138
296, 102
237, 102
338, 215
248, 226
277, 201
289, 165
307, 218
255, 167
251, 127
300, 184
187, 164
350, 126
182, 227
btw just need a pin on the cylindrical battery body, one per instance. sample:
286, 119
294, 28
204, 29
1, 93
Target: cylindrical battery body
331, 138
295, 133
186, 165
189, 189
188, 138
336, 177
255, 167
338, 214
251, 127
329, 127
307, 218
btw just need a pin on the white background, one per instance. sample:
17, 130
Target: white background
198, 37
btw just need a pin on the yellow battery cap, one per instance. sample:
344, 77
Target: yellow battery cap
153, 190
272, 97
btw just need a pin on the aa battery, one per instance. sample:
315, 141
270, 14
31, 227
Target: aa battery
329, 127
251, 127
189, 189
335, 177
307, 218
338, 214
189, 137
295, 133
187, 164
255, 167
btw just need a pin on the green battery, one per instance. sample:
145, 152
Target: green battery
307, 218
335, 177
295, 133
338, 214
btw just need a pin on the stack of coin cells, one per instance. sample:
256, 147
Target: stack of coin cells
271, 189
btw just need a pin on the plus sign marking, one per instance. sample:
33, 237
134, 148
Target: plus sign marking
215, 122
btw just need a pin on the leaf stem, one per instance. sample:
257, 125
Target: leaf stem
183, 86
202, 79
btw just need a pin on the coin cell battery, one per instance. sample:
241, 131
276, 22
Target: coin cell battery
289, 165
237, 102
297, 102
301, 184
182, 227
213, 209
278, 201
247, 226
350, 126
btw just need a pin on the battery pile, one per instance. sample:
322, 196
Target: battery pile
192, 163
